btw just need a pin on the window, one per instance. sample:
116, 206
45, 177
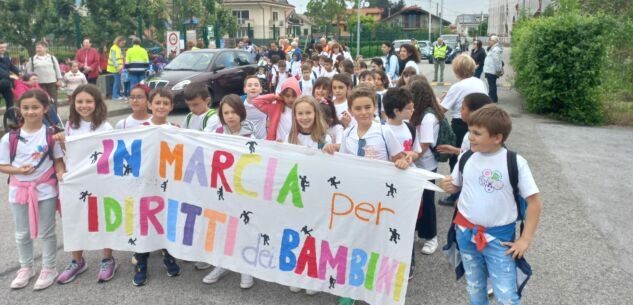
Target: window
241, 14
275, 16
305, 32
411, 21
244, 58
227, 59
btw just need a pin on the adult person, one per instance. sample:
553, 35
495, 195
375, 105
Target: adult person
47, 69
415, 44
390, 60
493, 66
479, 56
115, 66
285, 45
248, 45
88, 59
136, 62
8, 72
409, 57
464, 69
240, 45
274, 50
324, 45
440, 51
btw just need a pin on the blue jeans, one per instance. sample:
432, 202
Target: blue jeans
135, 79
492, 261
492, 86
116, 86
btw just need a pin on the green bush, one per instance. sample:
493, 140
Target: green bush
559, 63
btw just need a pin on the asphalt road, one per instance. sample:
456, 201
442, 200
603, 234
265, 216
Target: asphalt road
582, 253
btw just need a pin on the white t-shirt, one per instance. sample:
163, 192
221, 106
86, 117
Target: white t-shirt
327, 74
196, 121
283, 76
285, 123
486, 198
130, 122
258, 118
306, 86
379, 140
403, 135
456, 93
336, 133
317, 70
32, 147
412, 63
466, 142
85, 127
306, 140
428, 132
341, 108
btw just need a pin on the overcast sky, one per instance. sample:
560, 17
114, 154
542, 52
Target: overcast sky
452, 8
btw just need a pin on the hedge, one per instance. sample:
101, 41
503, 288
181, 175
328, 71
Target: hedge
559, 63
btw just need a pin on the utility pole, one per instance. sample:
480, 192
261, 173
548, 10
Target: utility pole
437, 13
430, 18
441, 17
358, 27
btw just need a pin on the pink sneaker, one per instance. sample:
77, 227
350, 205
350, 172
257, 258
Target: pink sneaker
73, 269
47, 277
108, 268
23, 277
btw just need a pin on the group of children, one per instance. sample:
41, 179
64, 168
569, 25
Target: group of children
320, 110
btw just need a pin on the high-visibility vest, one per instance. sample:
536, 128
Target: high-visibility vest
136, 59
119, 59
439, 52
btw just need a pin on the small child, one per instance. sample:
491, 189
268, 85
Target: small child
308, 126
381, 83
253, 88
407, 73
282, 75
335, 129
341, 85
30, 156
272, 76
232, 115
161, 103
490, 205
328, 68
139, 97
307, 81
322, 90
367, 77
317, 65
88, 114
200, 116
261, 75
279, 109
295, 65
73, 78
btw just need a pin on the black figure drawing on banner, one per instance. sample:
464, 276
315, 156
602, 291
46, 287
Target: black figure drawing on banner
305, 230
304, 183
333, 182
164, 185
332, 282
84, 195
127, 169
245, 216
221, 193
392, 190
132, 241
395, 236
251, 146
95, 155
266, 239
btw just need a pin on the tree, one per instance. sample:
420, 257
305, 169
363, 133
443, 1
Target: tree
367, 23
323, 12
24, 22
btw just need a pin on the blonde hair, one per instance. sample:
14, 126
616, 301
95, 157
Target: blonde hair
464, 66
318, 131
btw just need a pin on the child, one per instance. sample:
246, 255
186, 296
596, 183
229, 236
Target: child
34, 163
407, 73
347, 66
308, 126
490, 205
26, 83
161, 103
253, 88
73, 78
272, 76
367, 77
139, 97
261, 75
317, 65
307, 82
88, 114
341, 85
381, 83
335, 129
426, 119
295, 65
322, 90
279, 109
328, 68
368, 139
282, 75
200, 116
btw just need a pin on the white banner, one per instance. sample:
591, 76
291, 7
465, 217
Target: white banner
282, 213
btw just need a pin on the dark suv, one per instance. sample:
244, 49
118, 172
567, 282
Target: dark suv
222, 70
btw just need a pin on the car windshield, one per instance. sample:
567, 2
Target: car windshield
190, 61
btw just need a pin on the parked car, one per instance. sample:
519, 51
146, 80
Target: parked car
222, 70
423, 44
426, 49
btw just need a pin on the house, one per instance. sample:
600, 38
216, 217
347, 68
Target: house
414, 18
267, 19
375, 12
467, 24
504, 13
300, 25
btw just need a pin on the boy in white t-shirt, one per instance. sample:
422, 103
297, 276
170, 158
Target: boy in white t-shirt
307, 81
282, 75
253, 88
485, 220
328, 68
198, 100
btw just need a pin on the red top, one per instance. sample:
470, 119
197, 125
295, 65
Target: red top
89, 58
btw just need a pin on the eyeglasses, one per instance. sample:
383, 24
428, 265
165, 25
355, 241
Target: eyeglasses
137, 97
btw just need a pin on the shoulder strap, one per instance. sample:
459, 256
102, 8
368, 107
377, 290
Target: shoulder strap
462, 160
513, 174
50, 132
207, 115
188, 119
33, 63
54, 67
385, 140
379, 103
14, 138
412, 130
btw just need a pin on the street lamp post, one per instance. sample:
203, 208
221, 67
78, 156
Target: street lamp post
359, 3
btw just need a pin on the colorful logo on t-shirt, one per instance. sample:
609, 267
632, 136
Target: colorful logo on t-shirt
40, 152
408, 145
491, 180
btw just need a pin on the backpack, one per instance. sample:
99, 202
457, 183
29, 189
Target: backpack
301, 84
207, 115
513, 174
412, 130
14, 139
446, 136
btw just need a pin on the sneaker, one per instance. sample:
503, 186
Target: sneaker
246, 281
214, 275
140, 274
430, 245
201, 265
47, 277
170, 264
411, 271
345, 301
446, 201
294, 289
23, 277
311, 292
72, 271
133, 260
108, 268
